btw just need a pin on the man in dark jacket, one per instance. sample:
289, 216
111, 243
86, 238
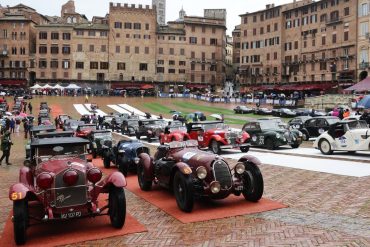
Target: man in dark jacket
6, 143
30, 107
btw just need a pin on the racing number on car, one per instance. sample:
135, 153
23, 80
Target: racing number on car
16, 196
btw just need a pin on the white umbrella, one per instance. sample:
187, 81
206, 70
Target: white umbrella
36, 86
8, 113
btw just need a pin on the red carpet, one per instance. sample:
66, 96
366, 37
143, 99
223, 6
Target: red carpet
203, 210
69, 232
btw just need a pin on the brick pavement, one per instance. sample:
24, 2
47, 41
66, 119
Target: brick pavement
324, 210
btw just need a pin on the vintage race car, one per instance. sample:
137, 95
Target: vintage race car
192, 173
346, 135
72, 124
174, 132
59, 177
36, 130
61, 120
243, 110
125, 155
216, 136
84, 130
151, 128
130, 126
317, 125
94, 107
100, 142
298, 124
263, 111
272, 133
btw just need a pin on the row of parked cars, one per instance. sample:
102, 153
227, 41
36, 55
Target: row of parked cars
59, 175
278, 112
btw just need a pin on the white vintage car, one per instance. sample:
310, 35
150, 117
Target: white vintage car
346, 135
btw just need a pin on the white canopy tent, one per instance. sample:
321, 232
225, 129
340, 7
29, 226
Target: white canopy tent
72, 86
46, 86
58, 87
36, 86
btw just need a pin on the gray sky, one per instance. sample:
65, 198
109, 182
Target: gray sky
192, 7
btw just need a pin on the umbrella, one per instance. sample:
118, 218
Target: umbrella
217, 116
365, 102
22, 114
8, 113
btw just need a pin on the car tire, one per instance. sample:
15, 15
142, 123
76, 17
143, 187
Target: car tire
295, 145
144, 184
269, 143
123, 168
106, 161
137, 134
253, 183
20, 221
306, 136
215, 147
244, 149
117, 207
325, 147
183, 190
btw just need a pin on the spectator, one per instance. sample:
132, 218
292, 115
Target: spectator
17, 125
346, 113
100, 122
7, 124
12, 125
25, 107
30, 107
25, 127
113, 123
160, 116
340, 115
6, 143
86, 99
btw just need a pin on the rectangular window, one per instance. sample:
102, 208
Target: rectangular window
79, 47
127, 49
161, 62
54, 50
103, 48
118, 49
42, 64
121, 66
79, 65
147, 26
346, 11
94, 65
66, 36
334, 39
364, 28
160, 50
193, 40
80, 33
192, 66
160, 70
171, 71
345, 38
54, 35
182, 63
104, 65
137, 50
364, 9
137, 26
323, 40
146, 50
43, 35
54, 64
43, 49
171, 62
66, 50
213, 41
203, 41
91, 48
143, 66
92, 33
172, 51
128, 25
182, 52
181, 71
118, 25
103, 34
192, 54
65, 64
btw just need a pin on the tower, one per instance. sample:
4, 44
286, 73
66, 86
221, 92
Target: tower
182, 14
161, 11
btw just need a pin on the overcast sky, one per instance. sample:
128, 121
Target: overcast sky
192, 7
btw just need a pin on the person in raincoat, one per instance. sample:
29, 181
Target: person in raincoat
6, 143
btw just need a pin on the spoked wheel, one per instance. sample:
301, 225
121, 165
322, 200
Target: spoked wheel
20, 222
253, 183
143, 183
183, 189
117, 207
244, 149
325, 147
215, 147
270, 144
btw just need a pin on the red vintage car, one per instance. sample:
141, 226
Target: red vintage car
216, 136
192, 173
60, 179
84, 130
174, 132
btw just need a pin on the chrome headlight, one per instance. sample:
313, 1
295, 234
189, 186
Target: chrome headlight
215, 187
240, 168
201, 172
278, 135
137, 160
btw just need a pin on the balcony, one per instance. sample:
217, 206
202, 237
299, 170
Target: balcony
4, 53
334, 21
364, 65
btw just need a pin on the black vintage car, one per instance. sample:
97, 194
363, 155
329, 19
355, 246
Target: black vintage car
72, 124
285, 112
263, 111
125, 155
272, 133
151, 128
314, 127
298, 123
192, 174
243, 110
130, 126
35, 130
100, 142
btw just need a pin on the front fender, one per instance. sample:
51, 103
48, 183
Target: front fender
183, 168
250, 158
18, 192
147, 163
218, 139
116, 179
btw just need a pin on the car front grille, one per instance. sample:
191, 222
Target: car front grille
66, 196
222, 174
232, 137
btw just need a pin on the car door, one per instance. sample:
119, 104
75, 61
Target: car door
311, 127
322, 125
253, 130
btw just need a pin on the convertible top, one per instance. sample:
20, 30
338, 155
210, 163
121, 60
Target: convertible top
59, 141
43, 128
55, 134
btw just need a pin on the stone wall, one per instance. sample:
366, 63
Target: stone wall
328, 101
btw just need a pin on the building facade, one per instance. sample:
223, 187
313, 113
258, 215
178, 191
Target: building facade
363, 48
300, 42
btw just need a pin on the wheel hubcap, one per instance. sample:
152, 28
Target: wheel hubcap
325, 146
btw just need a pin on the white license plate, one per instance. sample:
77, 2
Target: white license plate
71, 215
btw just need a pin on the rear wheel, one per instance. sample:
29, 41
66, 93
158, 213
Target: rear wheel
143, 183
295, 145
20, 221
244, 149
215, 147
270, 144
106, 161
122, 166
117, 207
325, 147
306, 136
253, 183
183, 189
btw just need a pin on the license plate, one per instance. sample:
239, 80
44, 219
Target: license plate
71, 215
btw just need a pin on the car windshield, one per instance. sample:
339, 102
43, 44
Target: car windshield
332, 120
207, 127
271, 124
65, 150
88, 127
357, 125
103, 135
